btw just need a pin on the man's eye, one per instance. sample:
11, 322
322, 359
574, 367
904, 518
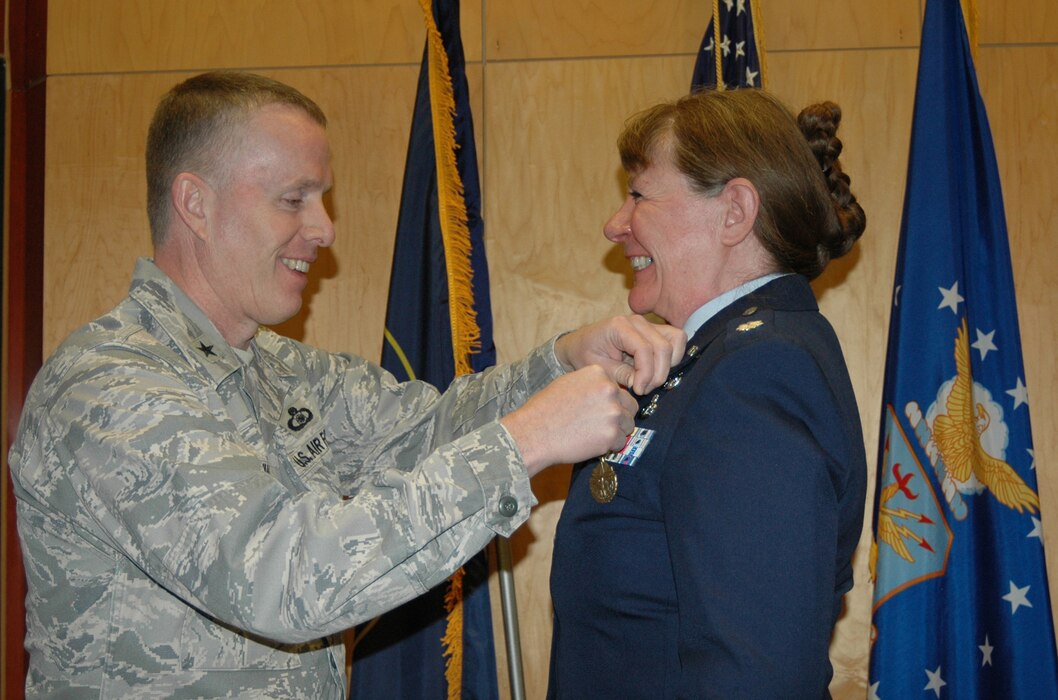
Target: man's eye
293, 201
635, 195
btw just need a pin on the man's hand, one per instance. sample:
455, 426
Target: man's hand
578, 416
634, 352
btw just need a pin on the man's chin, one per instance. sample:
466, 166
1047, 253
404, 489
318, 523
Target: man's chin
279, 316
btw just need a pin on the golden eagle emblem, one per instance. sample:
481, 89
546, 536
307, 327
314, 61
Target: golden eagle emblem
957, 435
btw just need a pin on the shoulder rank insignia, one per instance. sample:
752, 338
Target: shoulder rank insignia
748, 326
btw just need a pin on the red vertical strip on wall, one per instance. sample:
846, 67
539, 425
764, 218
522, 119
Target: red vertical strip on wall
23, 277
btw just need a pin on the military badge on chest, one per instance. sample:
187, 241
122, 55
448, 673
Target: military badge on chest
299, 418
312, 443
603, 481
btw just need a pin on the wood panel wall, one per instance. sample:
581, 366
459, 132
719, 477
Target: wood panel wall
552, 82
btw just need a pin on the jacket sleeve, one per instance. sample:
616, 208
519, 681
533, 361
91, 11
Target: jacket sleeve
150, 471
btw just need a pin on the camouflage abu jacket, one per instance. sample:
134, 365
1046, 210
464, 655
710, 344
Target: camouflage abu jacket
197, 527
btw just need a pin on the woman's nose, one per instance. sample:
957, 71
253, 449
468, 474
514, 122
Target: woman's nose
619, 225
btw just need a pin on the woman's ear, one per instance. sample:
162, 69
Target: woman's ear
743, 203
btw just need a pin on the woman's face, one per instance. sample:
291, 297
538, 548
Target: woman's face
670, 236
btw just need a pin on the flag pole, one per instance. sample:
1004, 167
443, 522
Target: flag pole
509, 607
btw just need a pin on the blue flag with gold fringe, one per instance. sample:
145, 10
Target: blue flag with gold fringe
438, 326
961, 602
732, 50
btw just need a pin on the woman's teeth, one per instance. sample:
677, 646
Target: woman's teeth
296, 265
641, 262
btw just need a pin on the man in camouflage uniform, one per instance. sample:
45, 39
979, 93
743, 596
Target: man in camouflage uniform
204, 505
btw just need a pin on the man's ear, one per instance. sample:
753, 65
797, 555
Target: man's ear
191, 196
743, 203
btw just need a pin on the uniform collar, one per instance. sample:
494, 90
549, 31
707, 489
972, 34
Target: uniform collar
710, 308
191, 331
788, 292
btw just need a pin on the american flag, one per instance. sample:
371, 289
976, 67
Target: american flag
735, 42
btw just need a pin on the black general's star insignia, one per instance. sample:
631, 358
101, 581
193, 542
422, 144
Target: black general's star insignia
207, 350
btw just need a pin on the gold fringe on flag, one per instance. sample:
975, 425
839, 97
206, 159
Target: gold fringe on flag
452, 641
466, 335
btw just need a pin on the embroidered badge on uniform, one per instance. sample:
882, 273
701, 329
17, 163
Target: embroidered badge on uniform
314, 447
299, 418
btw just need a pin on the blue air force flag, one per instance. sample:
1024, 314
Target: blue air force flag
438, 326
961, 603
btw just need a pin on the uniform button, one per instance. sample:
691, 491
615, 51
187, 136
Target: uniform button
508, 506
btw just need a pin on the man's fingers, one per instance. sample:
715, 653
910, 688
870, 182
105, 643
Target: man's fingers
649, 348
676, 339
625, 375
655, 348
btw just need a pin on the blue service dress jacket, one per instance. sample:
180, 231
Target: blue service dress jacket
718, 569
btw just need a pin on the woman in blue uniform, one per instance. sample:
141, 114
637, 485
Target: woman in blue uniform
709, 558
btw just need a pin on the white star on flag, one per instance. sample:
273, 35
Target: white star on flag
986, 653
984, 343
1032, 454
874, 691
896, 295
1037, 529
1017, 597
935, 681
1020, 394
725, 45
741, 7
951, 298
751, 77
740, 49
730, 4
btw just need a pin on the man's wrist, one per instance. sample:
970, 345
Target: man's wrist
562, 352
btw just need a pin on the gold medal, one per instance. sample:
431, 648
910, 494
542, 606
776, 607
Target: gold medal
603, 482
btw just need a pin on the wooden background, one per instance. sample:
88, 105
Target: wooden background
552, 82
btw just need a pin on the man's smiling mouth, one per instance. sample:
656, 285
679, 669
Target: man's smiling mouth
295, 265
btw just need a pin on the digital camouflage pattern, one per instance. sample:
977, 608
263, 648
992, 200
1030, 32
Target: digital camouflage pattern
195, 525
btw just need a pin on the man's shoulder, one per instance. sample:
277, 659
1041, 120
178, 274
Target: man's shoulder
102, 347
300, 357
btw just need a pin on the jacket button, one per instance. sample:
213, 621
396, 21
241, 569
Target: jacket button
508, 506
